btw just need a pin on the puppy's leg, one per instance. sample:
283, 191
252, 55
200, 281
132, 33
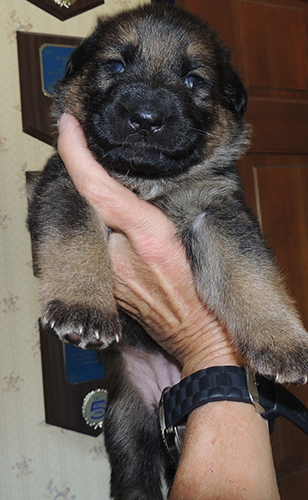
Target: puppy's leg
132, 437
237, 278
70, 257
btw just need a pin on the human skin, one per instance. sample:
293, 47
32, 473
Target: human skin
226, 453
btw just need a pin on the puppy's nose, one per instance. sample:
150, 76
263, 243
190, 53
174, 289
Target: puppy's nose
150, 121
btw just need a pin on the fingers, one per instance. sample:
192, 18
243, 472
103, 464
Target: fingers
121, 209
72, 147
89, 177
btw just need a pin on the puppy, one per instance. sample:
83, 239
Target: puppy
162, 109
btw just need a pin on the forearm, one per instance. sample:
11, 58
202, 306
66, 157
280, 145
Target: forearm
226, 455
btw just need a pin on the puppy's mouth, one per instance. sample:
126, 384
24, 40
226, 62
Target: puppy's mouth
145, 132
154, 146
139, 155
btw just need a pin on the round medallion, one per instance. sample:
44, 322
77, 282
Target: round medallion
94, 407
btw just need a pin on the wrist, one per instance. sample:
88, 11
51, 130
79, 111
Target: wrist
215, 350
222, 357
195, 366
209, 345
210, 469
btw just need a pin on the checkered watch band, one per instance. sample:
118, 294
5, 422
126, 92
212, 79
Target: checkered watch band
224, 383
217, 383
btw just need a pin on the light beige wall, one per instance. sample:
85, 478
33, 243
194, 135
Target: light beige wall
37, 461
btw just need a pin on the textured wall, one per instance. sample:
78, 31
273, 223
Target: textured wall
37, 461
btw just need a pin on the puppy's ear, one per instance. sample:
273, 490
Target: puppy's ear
235, 93
81, 55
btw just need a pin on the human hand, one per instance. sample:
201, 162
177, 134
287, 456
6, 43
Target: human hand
152, 277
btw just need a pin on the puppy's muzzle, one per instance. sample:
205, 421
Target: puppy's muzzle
144, 119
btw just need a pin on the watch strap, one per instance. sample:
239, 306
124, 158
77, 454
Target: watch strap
217, 383
224, 383
277, 401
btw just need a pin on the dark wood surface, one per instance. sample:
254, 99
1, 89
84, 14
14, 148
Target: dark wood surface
270, 48
35, 106
64, 13
63, 400
269, 41
277, 187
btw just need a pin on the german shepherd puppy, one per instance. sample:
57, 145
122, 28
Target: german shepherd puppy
162, 109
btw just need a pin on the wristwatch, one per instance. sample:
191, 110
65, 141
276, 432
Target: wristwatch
224, 383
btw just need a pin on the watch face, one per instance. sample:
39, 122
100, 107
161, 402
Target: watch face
172, 436
179, 432
253, 389
162, 420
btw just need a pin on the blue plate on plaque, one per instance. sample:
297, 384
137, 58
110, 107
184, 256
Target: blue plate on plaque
82, 366
53, 59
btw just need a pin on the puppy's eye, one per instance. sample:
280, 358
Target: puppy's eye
115, 67
194, 81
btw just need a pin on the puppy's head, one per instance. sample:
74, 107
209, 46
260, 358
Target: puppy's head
155, 92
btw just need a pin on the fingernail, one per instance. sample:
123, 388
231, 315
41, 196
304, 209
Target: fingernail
62, 122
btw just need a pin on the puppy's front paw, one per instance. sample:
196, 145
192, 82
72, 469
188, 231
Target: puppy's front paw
281, 364
85, 327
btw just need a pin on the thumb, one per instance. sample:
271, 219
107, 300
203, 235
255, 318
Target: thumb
119, 207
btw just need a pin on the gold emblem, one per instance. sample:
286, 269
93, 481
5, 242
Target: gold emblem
64, 3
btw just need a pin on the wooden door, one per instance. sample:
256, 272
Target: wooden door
269, 41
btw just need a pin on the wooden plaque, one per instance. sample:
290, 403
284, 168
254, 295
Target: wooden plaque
35, 104
64, 9
63, 400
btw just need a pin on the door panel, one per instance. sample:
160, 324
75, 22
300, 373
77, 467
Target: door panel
284, 128
279, 193
275, 65
270, 48
273, 61
269, 41
277, 187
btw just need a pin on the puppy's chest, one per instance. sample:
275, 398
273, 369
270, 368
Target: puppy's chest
184, 199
